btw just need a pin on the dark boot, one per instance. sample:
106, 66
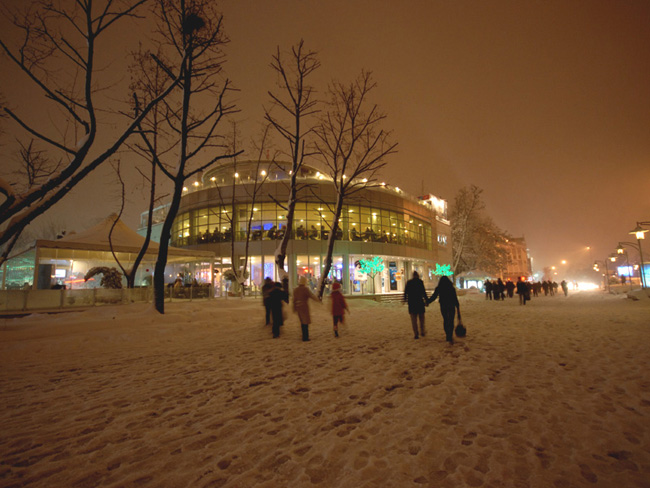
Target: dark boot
305, 332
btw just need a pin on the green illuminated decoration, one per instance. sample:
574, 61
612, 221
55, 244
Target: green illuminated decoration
372, 266
444, 270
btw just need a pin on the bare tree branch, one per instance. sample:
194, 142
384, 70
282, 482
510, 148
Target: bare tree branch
296, 101
41, 55
352, 147
191, 43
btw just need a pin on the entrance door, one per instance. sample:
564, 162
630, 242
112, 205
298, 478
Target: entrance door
392, 275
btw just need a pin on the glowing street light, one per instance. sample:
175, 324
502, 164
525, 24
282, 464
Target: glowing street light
620, 250
596, 268
639, 233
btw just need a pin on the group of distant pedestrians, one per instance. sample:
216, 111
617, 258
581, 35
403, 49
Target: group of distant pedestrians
497, 290
275, 294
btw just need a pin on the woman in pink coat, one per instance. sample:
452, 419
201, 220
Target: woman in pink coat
301, 297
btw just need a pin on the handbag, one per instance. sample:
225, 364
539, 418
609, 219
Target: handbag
461, 331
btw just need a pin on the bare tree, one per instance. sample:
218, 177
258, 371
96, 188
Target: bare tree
296, 105
34, 166
464, 216
33, 169
478, 243
148, 79
352, 146
252, 190
130, 273
191, 38
57, 50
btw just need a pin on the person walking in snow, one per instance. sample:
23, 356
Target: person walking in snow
565, 288
339, 306
510, 288
500, 287
522, 291
537, 286
446, 295
276, 296
267, 287
416, 297
301, 296
488, 289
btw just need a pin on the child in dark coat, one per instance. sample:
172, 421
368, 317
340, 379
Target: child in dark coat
339, 306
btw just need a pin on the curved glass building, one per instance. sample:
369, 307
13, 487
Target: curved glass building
381, 222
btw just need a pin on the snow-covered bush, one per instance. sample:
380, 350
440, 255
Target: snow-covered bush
111, 277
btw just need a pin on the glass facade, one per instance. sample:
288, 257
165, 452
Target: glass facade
377, 218
18, 272
345, 269
312, 221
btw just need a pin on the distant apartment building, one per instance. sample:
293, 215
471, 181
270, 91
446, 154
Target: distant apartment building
519, 262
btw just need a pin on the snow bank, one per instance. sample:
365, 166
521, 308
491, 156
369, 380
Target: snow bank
554, 393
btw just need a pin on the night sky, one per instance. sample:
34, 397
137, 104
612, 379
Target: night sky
544, 105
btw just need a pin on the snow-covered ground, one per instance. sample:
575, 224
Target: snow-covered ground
553, 394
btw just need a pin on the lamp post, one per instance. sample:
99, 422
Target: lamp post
620, 250
606, 272
639, 232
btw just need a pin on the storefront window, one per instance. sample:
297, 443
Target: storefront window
336, 271
256, 271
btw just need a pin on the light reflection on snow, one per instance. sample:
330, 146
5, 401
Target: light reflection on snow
586, 286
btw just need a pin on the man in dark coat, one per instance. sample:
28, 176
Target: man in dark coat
499, 290
510, 287
267, 288
416, 297
276, 297
522, 291
488, 289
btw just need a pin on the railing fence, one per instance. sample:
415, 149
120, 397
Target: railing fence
64, 299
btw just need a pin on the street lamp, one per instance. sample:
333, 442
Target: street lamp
606, 272
639, 232
621, 250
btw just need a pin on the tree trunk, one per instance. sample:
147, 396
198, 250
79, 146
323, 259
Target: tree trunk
179, 181
330, 244
281, 251
165, 236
